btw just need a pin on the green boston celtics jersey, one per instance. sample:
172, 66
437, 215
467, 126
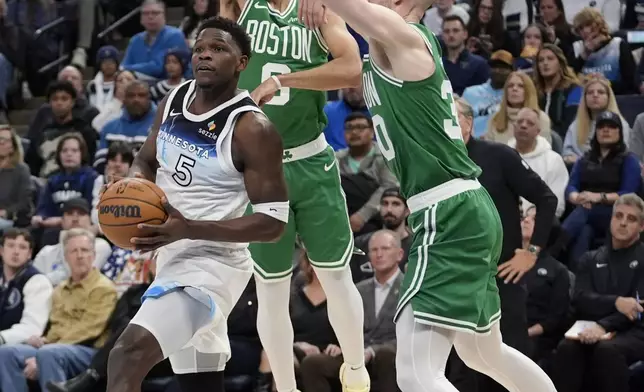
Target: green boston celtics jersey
281, 45
416, 125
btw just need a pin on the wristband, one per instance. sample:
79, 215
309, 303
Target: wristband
277, 81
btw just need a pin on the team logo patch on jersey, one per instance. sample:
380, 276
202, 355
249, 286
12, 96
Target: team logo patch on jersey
542, 272
211, 126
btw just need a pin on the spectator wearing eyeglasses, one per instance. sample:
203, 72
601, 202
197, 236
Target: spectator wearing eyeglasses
364, 173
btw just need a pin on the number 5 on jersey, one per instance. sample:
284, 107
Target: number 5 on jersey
183, 175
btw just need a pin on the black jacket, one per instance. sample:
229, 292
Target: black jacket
507, 177
605, 274
548, 294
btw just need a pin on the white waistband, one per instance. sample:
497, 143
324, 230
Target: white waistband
440, 193
305, 150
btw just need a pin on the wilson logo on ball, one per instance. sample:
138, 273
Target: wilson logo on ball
121, 211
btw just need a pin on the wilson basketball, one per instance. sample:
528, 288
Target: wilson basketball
126, 204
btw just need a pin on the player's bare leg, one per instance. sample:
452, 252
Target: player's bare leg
423, 350
346, 315
134, 355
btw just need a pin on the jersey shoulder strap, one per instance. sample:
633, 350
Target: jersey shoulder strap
175, 99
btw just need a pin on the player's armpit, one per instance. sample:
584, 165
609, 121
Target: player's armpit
343, 71
376, 22
145, 161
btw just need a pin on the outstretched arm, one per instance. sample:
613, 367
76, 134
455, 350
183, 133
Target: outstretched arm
375, 22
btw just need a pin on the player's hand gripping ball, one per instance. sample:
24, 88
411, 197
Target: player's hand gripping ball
126, 204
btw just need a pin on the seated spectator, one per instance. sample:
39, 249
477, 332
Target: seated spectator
126, 307
44, 137
15, 200
534, 37
597, 98
119, 158
379, 297
486, 98
114, 108
463, 68
597, 180
72, 75
610, 9
134, 123
636, 145
557, 87
518, 93
25, 292
145, 54
51, 258
197, 12
100, 90
74, 179
607, 288
363, 165
351, 100
393, 213
81, 307
600, 53
312, 331
486, 29
548, 284
537, 152
434, 18
559, 30
176, 63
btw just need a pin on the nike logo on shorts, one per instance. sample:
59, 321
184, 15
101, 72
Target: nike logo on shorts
328, 167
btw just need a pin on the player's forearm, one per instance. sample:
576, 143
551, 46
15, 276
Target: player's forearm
256, 227
144, 168
342, 72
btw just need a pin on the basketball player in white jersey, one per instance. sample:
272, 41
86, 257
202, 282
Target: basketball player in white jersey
212, 151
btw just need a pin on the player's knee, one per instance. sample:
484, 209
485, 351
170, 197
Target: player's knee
134, 348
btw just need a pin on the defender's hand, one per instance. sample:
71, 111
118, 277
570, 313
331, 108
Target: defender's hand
175, 228
312, 13
264, 92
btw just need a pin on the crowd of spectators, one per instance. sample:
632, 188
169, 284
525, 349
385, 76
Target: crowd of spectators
555, 85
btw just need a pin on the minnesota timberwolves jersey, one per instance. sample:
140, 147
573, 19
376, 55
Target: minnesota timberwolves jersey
196, 169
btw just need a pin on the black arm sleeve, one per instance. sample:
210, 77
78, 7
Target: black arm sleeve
526, 183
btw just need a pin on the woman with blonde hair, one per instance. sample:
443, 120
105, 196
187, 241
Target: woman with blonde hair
557, 87
599, 52
596, 98
15, 195
519, 92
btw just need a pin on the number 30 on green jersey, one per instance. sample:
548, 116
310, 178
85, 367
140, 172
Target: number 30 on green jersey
451, 125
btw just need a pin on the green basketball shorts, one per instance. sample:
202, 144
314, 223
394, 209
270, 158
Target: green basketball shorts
318, 213
451, 276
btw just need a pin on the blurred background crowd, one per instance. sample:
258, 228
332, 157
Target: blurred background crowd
551, 107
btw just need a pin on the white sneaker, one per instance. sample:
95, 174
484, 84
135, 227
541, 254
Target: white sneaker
79, 59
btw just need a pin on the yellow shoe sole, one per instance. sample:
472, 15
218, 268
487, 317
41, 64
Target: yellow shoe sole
353, 388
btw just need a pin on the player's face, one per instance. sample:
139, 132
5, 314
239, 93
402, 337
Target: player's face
76, 219
71, 155
393, 212
626, 223
79, 255
384, 254
61, 104
16, 252
548, 64
216, 59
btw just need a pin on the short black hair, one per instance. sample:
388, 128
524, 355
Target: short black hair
61, 85
455, 18
123, 149
13, 233
358, 116
231, 27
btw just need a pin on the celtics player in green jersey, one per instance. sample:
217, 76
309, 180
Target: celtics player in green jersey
449, 295
288, 75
